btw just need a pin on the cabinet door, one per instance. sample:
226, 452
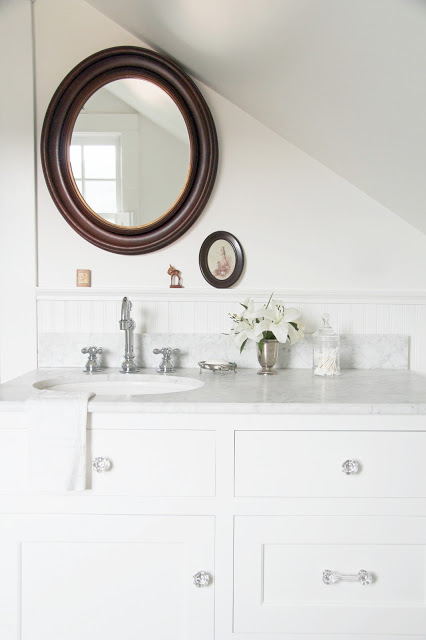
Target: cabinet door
109, 577
279, 565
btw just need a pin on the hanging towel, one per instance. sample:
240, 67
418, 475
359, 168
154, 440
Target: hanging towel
57, 440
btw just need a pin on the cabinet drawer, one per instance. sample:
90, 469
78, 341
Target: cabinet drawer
279, 565
153, 463
308, 463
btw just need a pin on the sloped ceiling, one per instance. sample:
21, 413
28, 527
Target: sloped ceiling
344, 80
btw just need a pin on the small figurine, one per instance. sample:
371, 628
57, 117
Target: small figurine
175, 280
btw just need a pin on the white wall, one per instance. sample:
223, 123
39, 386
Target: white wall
301, 226
17, 192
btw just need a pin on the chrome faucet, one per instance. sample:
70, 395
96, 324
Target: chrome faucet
128, 325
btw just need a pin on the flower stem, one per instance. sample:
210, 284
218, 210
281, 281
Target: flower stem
270, 298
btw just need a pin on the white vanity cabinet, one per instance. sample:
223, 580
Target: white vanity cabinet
299, 527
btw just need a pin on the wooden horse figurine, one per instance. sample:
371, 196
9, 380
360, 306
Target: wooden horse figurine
175, 281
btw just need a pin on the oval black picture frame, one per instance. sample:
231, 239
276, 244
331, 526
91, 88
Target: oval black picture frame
239, 259
88, 76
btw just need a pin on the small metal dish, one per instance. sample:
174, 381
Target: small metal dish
229, 366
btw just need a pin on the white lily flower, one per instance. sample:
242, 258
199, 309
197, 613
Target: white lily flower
248, 305
264, 325
293, 334
271, 321
268, 314
280, 331
246, 334
291, 315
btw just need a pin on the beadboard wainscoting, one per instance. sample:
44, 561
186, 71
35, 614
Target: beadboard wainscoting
97, 311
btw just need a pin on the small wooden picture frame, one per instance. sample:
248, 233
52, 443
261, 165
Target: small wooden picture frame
221, 259
84, 278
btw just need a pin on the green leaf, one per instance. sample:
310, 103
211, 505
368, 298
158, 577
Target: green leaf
244, 305
243, 345
293, 324
260, 344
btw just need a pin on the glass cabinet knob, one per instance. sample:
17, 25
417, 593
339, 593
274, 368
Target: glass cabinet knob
201, 579
101, 465
350, 467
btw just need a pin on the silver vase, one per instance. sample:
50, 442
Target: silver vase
267, 357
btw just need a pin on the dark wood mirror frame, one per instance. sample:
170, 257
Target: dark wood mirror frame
86, 78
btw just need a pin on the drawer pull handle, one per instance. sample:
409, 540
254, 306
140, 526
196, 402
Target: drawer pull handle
363, 577
101, 465
350, 467
201, 579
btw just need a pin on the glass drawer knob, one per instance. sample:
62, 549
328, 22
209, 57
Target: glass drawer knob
201, 579
350, 467
363, 577
101, 465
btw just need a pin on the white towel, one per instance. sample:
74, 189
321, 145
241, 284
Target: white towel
57, 440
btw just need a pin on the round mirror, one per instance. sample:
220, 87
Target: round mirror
129, 150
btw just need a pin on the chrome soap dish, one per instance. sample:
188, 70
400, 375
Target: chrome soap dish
218, 366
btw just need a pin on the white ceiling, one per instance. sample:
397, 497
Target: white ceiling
344, 80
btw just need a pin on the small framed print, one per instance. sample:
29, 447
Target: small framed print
221, 259
83, 278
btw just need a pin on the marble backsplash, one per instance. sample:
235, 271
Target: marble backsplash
357, 351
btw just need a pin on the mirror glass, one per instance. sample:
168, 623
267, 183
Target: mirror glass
130, 152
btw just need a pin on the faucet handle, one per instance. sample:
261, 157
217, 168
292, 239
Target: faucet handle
166, 351
92, 363
92, 351
166, 365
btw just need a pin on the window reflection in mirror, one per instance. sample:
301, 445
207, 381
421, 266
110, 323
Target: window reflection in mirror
130, 152
96, 166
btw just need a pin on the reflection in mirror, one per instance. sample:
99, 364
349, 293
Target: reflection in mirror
130, 152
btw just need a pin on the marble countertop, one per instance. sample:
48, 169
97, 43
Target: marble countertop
291, 391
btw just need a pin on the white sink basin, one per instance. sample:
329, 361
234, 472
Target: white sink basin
121, 384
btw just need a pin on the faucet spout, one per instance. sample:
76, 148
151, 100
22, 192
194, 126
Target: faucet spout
128, 325
126, 307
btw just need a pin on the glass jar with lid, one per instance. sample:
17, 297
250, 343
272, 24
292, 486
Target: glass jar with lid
326, 346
